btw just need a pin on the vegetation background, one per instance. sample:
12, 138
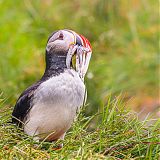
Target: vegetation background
124, 37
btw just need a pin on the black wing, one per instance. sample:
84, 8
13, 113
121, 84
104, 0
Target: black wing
23, 104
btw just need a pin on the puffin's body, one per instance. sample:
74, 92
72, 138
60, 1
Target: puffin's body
56, 102
47, 109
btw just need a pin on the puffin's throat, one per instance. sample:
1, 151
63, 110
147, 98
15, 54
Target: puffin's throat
55, 63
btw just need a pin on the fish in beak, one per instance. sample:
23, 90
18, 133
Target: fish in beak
79, 55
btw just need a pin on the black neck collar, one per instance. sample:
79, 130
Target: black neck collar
55, 64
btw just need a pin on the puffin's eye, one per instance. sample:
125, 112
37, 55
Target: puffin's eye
60, 36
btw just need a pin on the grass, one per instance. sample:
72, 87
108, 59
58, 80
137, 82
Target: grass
117, 134
124, 37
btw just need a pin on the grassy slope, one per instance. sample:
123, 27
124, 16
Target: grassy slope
118, 134
124, 38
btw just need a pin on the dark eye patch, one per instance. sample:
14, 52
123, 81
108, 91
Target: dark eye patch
61, 36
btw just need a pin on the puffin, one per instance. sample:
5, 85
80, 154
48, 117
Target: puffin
47, 109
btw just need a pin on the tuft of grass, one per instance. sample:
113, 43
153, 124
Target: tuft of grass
112, 133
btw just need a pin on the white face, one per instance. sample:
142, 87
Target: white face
61, 40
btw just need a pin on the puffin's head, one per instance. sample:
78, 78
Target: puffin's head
70, 47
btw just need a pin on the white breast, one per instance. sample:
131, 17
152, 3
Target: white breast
55, 104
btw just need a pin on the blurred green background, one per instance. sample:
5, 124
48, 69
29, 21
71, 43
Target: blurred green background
124, 38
